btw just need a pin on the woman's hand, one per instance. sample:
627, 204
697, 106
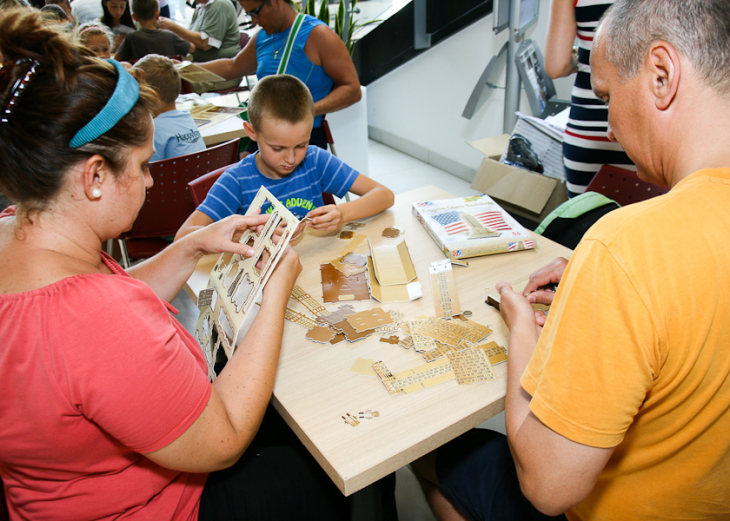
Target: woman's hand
222, 236
326, 217
282, 280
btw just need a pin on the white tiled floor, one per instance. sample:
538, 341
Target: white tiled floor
400, 173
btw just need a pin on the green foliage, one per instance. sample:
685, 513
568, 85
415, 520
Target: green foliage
339, 22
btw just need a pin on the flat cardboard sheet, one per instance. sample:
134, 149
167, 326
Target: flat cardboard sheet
514, 185
336, 287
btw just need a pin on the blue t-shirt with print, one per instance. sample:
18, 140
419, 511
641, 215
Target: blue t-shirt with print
176, 135
300, 192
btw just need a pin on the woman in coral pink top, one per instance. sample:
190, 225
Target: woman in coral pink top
106, 409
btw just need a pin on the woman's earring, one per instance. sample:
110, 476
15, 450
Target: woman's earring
96, 193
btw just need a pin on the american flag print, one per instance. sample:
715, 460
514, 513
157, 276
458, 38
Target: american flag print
528, 244
426, 203
451, 222
512, 246
493, 221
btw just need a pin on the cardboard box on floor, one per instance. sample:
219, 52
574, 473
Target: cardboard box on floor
519, 191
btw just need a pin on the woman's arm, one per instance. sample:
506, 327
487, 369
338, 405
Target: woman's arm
167, 271
186, 34
562, 30
242, 391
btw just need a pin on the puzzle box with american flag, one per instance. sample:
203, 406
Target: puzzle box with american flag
472, 226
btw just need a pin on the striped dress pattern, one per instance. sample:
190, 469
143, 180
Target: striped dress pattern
586, 147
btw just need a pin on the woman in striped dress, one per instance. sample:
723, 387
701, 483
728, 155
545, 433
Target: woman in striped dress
586, 147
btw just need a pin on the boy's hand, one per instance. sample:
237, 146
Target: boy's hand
326, 217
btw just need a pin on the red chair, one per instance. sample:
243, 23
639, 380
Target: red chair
623, 186
199, 187
169, 202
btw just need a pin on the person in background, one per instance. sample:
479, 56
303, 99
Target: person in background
175, 130
281, 112
117, 18
54, 14
66, 6
97, 37
618, 402
149, 39
319, 58
107, 410
586, 147
213, 30
86, 10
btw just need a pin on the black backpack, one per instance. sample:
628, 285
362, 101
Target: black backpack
568, 223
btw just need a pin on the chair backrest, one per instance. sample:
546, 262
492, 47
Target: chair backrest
168, 202
623, 186
200, 187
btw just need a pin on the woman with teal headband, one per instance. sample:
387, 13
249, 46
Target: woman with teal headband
106, 408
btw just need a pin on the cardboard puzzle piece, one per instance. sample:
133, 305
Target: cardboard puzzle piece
237, 282
337, 315
336, 287
393, 264
351, 420
420, 342
299, 318
392, 232
306, 300
354, 225
395, 293
320, 334
415, 379
475, 332
348, 261
471, 366
351, 335
495, 353
391, 340
406, 342
368, 415
346, 235
446, 332
369, 319
443, 287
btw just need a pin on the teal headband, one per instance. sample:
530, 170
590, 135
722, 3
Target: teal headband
125, 96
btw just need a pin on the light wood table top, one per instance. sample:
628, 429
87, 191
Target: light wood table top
315, 388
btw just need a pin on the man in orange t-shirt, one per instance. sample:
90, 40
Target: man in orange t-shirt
620, 407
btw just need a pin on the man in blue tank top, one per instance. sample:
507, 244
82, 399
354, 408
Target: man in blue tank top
319, 58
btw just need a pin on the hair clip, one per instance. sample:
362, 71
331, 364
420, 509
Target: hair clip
18, 75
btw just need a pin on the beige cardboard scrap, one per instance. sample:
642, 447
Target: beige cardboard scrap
393, 264
364, 367
348, 268
496, 353
492, 147
398, 293
475, 332
445, 331
337, 315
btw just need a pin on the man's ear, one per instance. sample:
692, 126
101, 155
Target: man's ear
665, 70
250, 132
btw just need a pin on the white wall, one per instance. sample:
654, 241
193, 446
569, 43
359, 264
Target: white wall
417, 108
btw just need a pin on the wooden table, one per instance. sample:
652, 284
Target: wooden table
227, 129
315, 388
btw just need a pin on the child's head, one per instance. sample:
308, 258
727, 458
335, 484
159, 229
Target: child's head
160, 74
96, 37
64, 4
145, 10
54, 14
280, 115
116, 13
